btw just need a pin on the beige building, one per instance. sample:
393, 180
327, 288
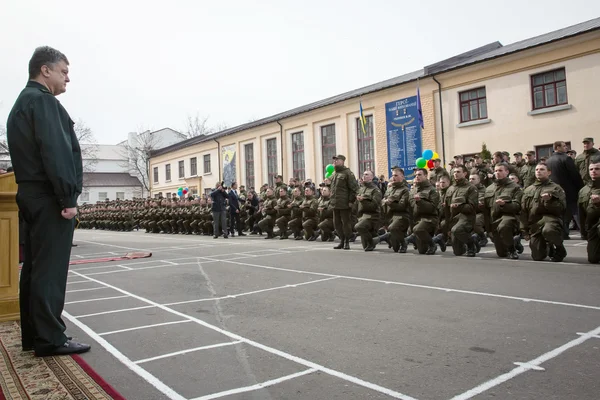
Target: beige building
519, 97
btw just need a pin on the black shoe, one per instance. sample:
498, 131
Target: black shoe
512, 255
341, 245
353, 237
370, 248
70, 347
518, 246
471, 249
403, 247
215, 237
431, 250
347, 245
73, 245
559, 253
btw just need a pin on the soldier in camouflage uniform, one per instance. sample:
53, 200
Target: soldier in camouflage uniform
442, 233
479, 228
295, 223
527, 173
589, 211
325, 216
269, 213
542, 210
309, 209
369, 210
396, 210
460, 207
425, 202
283, 213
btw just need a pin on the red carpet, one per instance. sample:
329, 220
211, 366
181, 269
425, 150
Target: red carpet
128, 256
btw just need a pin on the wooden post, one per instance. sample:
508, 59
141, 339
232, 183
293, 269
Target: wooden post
9, 248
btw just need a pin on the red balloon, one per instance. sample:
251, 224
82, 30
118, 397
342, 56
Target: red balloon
430, 164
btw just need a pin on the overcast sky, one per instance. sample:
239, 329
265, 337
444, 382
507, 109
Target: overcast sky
150, 64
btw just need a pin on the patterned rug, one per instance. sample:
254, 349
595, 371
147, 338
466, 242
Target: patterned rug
23, 376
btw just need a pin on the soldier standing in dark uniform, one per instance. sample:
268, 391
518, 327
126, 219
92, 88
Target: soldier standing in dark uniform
48, 169
343, 193
589, 211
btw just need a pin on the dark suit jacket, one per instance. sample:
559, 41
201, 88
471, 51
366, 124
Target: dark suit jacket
218, 200
234, 202
565, 173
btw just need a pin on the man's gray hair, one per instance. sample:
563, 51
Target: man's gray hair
44, 55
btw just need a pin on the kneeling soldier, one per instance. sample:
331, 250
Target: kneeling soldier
460, 209
369, 203
502, 208
589, 211
544, 205
424, 201
397, 204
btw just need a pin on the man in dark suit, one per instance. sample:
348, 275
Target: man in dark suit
234, 211
565, 173
48, 169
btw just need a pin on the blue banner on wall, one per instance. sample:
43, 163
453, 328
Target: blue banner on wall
404, 142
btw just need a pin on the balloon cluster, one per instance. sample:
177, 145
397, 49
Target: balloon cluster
329, 171
427, 159
181, 191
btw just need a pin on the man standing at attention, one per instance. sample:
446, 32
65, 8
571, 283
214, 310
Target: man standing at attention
343, 192
48, 169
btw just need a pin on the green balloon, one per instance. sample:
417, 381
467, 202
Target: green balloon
330, 168
328, 175
421, 162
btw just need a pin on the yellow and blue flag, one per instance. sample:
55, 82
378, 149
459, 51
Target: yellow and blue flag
362, 118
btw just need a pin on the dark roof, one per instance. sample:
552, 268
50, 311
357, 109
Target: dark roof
480, 54
110, 179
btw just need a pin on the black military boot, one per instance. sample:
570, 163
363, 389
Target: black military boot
482, 240
559, 253
403, 247
476, 238
439, 240
432, 249
347, 244
341, 245
518, 245
471, 249
512, 253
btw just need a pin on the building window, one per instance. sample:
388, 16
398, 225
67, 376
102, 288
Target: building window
102, 196
155, 174
366, 149
272, 160
546, 150
84, 196
549, 89
327, 144
120, 195
473, 105
207, 164
207, 192
181, 169
168, 172
194, 191
249, 160
193, 166
298, 155
168, 195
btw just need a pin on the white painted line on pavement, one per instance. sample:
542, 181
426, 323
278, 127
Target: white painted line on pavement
257, 386
594, 336
268, 349
74, 282
112, 311
444, 289
144, 327
212, 346
147, 376
100, 299
113, 245
530, 366
233, 296
526, 366
84, 290
96, 267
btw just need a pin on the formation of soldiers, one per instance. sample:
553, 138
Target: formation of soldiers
461, 208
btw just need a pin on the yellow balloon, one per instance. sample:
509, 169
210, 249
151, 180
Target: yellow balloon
435, 155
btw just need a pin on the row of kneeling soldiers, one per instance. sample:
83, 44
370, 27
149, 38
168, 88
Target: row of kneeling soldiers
462, 215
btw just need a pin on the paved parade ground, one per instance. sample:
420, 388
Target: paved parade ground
248, 318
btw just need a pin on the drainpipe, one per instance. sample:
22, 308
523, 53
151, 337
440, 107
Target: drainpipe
441, 120
281, 144
219, 158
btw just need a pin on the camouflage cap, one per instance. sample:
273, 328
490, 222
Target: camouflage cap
476, 156
458, 156
518, 153
530, 153
339, 156
588, 139
506, 153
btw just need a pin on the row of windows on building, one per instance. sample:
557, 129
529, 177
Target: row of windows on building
85, 196
365, 145
548, 89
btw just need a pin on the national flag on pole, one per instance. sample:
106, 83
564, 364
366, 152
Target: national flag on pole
363, 120
419, 108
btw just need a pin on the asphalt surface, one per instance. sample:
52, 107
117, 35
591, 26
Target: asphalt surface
247, 318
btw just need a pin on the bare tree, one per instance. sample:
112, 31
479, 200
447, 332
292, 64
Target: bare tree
4, 155
136, 154
198, 126
89, 146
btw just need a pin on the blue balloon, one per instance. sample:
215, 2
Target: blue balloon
428, 154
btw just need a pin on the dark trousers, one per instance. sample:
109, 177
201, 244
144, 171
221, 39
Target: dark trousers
220, 223
234, 222
572, 212
48, 239
342, 223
